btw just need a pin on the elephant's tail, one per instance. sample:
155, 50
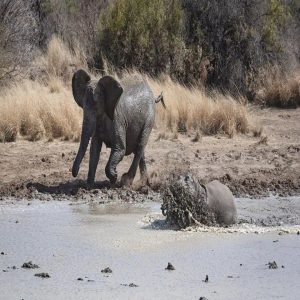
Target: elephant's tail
160, 98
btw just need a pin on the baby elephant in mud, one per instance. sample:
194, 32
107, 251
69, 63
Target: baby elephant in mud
120, 116
187, 202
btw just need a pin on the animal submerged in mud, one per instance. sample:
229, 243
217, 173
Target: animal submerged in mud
119, 116
186, 202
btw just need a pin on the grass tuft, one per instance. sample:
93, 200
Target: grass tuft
193, 109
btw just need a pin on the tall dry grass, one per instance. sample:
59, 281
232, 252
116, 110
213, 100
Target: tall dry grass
44, 107
59, 61
193, 109
31, 110
278, 89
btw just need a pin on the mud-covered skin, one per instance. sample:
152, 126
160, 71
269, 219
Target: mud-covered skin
186, 202
221, 201
119, 115
131, 126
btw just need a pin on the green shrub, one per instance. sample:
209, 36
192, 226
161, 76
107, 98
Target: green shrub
147, 35
276, 16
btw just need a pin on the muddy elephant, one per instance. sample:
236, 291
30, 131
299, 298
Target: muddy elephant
187, 202
221, 201
119, 115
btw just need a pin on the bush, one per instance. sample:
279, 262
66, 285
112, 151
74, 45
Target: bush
146, 35
17, 38
219, 43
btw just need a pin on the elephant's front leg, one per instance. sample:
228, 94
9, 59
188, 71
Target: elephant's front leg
95, 150
116, 155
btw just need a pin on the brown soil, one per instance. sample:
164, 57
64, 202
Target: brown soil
249, 165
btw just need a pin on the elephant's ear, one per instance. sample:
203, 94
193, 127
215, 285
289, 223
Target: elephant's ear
79, 84
111, 91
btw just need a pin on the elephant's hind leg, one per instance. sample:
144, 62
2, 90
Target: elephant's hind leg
143, 170
128, 177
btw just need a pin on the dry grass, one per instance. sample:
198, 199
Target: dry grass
44, 107
33, 111
192, 109
279, 90
59, 62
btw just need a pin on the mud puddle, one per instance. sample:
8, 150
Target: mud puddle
79, 240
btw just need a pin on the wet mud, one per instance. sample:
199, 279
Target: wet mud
70, 241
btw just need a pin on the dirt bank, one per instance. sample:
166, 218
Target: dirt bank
250, 165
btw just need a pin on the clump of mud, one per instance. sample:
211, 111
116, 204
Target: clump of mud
170, 267
185, 204
130, 284
107, 270
42, 275
29, 265
272, 265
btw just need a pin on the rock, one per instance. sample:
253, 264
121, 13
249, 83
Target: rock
202, 298
2, 253
107, 270
80, 279
29, 265
42, 275
170, 267
206, 279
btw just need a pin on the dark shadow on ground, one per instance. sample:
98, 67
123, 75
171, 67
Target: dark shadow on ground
69, 188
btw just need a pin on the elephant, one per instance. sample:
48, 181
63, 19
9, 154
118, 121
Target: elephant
221, 201
187, 202
119, 115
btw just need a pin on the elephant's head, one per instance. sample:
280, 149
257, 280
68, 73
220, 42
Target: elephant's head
95, 98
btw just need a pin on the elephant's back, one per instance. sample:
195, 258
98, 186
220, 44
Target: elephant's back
137, 105
220, 199
138, 98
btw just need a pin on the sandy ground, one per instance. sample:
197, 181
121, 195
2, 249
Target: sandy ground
254, 166
72, 241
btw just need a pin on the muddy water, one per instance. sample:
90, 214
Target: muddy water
79, 240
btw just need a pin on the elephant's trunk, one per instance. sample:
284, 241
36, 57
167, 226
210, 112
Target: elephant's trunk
88, 129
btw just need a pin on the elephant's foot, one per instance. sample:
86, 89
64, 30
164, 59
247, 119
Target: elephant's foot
144, 181
90, 183
113, 179
112, 176
75, 170
126, 180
